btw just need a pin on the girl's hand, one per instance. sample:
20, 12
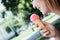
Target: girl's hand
48, 30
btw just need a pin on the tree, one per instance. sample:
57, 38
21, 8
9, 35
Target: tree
11, 5
21, 6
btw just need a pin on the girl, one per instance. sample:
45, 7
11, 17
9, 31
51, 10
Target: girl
46, 6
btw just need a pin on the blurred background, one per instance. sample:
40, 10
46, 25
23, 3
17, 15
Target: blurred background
14, 20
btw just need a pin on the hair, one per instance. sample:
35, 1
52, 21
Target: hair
54, 5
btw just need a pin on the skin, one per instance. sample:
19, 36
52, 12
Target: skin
41, 5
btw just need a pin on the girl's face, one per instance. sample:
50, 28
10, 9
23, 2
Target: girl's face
41, 5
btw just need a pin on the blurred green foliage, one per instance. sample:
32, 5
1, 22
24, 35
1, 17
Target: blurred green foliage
23, 7
27, 9
11, 5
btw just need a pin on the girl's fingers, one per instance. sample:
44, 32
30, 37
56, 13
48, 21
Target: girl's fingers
46, 24
49, 26
43, 30
46, 33
47, 30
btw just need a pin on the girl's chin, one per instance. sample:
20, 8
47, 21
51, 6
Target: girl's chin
45, 11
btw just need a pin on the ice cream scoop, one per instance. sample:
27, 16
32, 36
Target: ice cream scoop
36, 20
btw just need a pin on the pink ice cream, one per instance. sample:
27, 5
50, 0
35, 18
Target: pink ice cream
34, 17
